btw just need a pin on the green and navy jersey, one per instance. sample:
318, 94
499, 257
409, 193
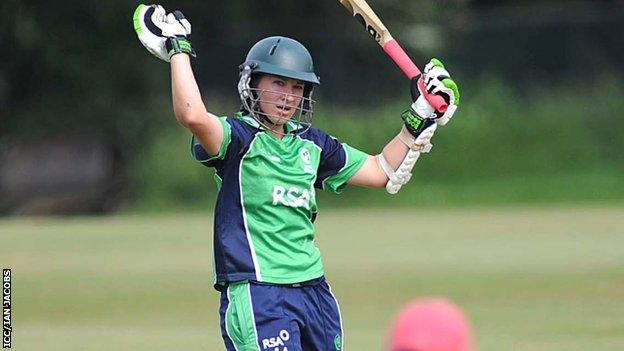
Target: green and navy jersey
263, 221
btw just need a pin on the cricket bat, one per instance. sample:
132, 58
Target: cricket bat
373, 25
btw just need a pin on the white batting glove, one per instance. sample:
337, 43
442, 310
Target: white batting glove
437, 81
162, 34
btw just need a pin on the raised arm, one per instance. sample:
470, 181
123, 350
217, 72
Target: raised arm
392, 167
189, 108
166, 37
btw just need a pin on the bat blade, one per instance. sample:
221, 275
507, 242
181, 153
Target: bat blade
367, 17
375, 27
348, 6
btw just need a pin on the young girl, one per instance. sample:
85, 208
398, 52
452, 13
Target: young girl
268, 161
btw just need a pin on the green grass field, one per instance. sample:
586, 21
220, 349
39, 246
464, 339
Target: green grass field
529, 278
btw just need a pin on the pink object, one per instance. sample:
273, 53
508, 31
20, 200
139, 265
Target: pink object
431, 325
396, 52
398, 55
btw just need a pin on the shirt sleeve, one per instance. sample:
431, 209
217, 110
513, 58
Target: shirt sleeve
201, 155
339, 162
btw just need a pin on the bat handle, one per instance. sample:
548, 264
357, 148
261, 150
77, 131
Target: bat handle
398, 55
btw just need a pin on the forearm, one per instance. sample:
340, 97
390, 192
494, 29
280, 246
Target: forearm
395, 151
187, 102
372, 175
189, 108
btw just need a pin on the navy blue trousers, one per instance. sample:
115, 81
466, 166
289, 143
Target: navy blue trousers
299, 317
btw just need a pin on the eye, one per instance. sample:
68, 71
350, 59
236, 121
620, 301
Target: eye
279, 82
298, 87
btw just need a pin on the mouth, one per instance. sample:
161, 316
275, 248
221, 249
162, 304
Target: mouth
283, 109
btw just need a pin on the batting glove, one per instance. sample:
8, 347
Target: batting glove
436, 81
420, 132
421, 120
163, 35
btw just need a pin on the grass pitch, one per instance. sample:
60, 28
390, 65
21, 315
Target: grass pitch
529, 278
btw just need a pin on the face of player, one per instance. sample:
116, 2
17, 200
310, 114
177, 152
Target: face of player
279, 97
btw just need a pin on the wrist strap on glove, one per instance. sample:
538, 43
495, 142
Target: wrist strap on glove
415, 124
176, 45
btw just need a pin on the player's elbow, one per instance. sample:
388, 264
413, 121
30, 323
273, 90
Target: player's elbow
380, 181
377, 181
370, 175
190, 120
380, 178
189, 114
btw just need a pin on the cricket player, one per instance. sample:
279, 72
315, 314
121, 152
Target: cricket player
269, 162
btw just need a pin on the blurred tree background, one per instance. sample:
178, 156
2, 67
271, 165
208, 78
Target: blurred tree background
541, 121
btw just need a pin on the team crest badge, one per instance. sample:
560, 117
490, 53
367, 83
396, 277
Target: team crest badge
305, 156
307, 160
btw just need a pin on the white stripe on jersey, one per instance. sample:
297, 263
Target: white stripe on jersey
254, 258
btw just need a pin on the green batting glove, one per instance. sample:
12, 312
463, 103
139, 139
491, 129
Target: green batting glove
437, 81
163, 35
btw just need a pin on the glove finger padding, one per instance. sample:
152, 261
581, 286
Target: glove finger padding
172, 26
434, 78
179, 16
151, 36
157, 17
162, 34
437, 80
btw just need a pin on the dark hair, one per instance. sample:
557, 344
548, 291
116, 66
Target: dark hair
255, 79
